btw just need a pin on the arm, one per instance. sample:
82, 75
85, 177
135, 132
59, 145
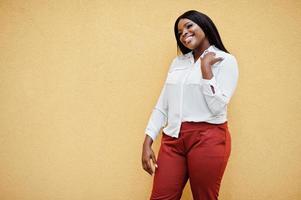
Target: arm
156, 121
158, 118
219, 89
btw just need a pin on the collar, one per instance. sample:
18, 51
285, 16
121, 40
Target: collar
211, 48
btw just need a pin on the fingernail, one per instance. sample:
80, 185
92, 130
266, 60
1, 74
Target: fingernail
156, 165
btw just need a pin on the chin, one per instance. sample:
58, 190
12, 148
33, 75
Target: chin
191, 47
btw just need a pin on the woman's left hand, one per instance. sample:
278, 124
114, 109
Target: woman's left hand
206, 62
209, 59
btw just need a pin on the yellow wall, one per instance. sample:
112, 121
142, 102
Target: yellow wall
78, 81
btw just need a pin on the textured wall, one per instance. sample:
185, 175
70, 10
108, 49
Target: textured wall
78, 81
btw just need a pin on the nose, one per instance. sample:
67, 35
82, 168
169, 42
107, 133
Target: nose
185, 31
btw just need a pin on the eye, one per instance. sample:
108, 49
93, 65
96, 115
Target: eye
188, 26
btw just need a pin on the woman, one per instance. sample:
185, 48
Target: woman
192, 108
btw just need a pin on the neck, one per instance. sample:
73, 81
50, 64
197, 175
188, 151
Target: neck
197, 52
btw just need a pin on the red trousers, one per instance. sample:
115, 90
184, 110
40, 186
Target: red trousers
200, 154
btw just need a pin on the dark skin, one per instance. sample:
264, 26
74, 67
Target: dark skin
192, 37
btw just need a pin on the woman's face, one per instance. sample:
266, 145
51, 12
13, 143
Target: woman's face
190, 34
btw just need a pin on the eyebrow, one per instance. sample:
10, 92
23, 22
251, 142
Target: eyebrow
184, 25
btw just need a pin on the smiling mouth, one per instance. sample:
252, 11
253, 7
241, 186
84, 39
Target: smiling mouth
188, 39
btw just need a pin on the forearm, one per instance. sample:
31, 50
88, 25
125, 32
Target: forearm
218, 89
207, 74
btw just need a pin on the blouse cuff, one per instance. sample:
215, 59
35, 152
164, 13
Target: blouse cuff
207, 83
151, 134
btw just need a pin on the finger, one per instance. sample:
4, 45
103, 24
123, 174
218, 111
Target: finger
147, 168
154, 160
210, 53
216, 60
219, 59
144, 164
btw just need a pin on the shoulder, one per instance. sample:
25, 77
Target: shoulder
229, 65
229, 62
228, 58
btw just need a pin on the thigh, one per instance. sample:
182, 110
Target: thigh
207, 161
171, 175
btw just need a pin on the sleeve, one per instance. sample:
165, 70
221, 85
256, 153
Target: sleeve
159, 116
223, 84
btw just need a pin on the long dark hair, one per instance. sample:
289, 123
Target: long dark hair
206, 25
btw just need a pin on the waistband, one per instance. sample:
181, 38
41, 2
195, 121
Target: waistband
186, 126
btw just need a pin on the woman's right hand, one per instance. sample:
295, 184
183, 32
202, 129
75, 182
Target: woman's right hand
148, 155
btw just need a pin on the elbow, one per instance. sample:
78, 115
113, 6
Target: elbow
216, 110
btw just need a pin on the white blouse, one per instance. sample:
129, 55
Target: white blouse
186, 96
